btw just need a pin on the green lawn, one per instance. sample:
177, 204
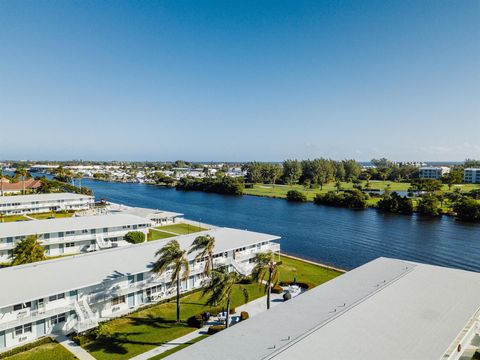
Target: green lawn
46, 351
158, 235
181, 228
178, 348
280, 191
48, 215
13, 218
153, 326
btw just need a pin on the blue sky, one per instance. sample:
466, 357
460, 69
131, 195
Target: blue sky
239, 80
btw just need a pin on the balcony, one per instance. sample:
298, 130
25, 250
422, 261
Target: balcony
29, 316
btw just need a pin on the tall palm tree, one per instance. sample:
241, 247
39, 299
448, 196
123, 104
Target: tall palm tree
204, 244
266, 271
172, 256
220, 288
2, 177
23, 173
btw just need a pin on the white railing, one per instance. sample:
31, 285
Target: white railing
33, 316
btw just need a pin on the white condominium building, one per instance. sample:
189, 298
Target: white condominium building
471, 175
73, 294
433, 172
71, 235
40, 203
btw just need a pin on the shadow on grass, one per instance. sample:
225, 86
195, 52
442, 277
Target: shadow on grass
117, 342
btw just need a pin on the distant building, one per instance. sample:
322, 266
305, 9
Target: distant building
157, 217
17, 187
385, 309
471, 175
38, 203
433, 172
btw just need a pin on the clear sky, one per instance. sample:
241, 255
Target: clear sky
239, 80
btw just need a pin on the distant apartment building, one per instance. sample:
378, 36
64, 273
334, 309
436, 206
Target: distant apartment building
471, 175
40, 203
71, 235
74, 294
433, 172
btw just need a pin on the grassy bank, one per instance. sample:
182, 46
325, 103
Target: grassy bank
155, 325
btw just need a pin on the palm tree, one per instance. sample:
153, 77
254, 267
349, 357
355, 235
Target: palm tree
266, 267
23, 173
221, 286
2, 177
204, 244
79, 176
172, 256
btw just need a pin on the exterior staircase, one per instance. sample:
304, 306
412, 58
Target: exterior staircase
86, 318
239, 268
102, 244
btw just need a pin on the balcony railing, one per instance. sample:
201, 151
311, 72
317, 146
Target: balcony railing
34, 315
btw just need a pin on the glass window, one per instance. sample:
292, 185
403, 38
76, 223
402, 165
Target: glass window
27, 328
19, 330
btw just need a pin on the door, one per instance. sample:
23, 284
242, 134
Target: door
40, 328
61, 248
131, 300
2, 339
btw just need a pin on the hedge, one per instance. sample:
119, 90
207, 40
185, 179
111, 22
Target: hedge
215, 329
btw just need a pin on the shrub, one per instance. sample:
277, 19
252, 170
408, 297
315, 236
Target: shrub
79, 339
277, 289
232, 310
244, 315
467, 210
134, 237
215, 329
394, 203
352, 199
429, 206
297, 196
195, 321
246, 281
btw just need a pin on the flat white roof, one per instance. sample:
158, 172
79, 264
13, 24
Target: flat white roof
142, 212
472, 169
74, 223
386, 309
41, 197
41, 279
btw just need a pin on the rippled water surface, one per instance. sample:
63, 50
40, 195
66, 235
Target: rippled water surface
338, 237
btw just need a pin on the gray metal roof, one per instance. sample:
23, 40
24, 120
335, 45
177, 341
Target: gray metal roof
393, 310
41, 197
32, 281
23, 228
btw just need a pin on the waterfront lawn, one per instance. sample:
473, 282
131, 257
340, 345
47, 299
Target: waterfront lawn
308, 273
179, 347
48, 215
280, 191
155, 325
158, 235
181, 228
45, 350
13, 218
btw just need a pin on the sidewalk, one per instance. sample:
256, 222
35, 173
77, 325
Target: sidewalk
75, 349
253, 308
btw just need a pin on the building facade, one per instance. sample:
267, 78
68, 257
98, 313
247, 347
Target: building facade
41, 203
471, 175
433, 172
71, 235
90, 288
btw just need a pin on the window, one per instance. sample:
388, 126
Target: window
56, 319
70, 244
118, 300
84, 231
56, 297
22, 306
27, 328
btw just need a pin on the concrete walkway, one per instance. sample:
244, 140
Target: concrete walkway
253, 308
75, 349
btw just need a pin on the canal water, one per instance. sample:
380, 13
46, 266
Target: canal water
339, 237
